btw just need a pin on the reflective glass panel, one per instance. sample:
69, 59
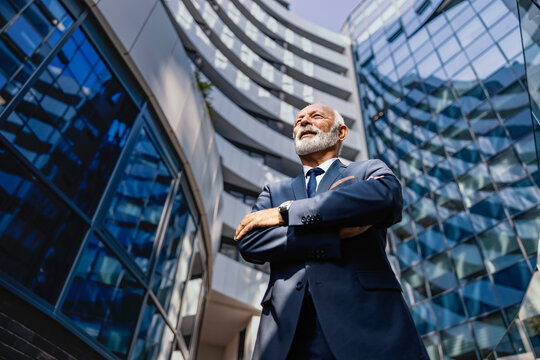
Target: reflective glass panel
528, 229
29, 36
104, 300
511, 343
192, 296
479, 297
407, 254
439, 273
155, 337
173, 264
135, 211
39, 234
488, 332
457, 228
423, 318
73, 123
500, 247
467, 260
448, 310
414, 284
457, 343
512, 283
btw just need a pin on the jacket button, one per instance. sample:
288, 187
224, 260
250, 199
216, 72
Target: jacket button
303, 219
299, 285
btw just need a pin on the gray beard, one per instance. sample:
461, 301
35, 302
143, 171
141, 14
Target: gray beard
321, 141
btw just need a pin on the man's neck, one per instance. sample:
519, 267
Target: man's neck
317, 158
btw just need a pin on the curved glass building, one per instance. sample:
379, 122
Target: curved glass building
110, 183
449, 95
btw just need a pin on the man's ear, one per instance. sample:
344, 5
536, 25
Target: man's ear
343, 131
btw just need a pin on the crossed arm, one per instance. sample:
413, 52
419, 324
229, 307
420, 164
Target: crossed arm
272, 217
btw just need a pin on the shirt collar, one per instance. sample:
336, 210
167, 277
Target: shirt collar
325, 165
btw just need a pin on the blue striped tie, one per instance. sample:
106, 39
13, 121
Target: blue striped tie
312, 182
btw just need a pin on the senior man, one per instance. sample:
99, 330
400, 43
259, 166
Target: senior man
332, 293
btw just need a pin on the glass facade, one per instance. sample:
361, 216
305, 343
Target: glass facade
449, 103
98, 228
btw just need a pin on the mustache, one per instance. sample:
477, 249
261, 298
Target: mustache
306, 129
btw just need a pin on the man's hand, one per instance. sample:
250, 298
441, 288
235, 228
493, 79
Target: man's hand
341, 181
349, 232
264, 218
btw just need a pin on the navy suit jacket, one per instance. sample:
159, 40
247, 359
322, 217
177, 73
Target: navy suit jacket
356, 295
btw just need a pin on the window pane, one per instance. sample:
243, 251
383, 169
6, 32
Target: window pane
528, 229
173, 264
457, 228
479, 297
39, 235
154, 340
407, 254
487, 213
500, 247
414, 284
488, 331
27, 40
135, 211
194, 289
467, 260
457, 343
423, 318
512, 283
448, 310
431, 241
439, 274
73, 129
104, 300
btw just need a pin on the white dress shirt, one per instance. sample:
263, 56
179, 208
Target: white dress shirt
324, 166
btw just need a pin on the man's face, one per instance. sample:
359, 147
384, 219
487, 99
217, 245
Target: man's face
314, 129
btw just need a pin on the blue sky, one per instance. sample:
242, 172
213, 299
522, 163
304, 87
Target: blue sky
327, 13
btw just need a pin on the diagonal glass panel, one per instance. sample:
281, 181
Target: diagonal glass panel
74, 122
440, 274
39, 234
467, 260
500, 247
479, 297
104, 300
30, 35
137, 206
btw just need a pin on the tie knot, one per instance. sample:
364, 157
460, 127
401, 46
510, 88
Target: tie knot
315, 171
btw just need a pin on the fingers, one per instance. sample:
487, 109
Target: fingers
349, 232
243, 223
341, 181
240, 234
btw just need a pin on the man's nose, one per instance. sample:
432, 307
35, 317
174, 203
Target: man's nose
306, 120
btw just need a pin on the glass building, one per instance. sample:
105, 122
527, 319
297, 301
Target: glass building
449, 94
105, 236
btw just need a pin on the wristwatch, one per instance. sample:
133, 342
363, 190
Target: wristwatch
284, 211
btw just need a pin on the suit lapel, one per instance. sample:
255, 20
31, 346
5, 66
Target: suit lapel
299, 187
334, 172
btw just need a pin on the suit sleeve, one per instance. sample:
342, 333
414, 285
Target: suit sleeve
365, 202
286, 243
